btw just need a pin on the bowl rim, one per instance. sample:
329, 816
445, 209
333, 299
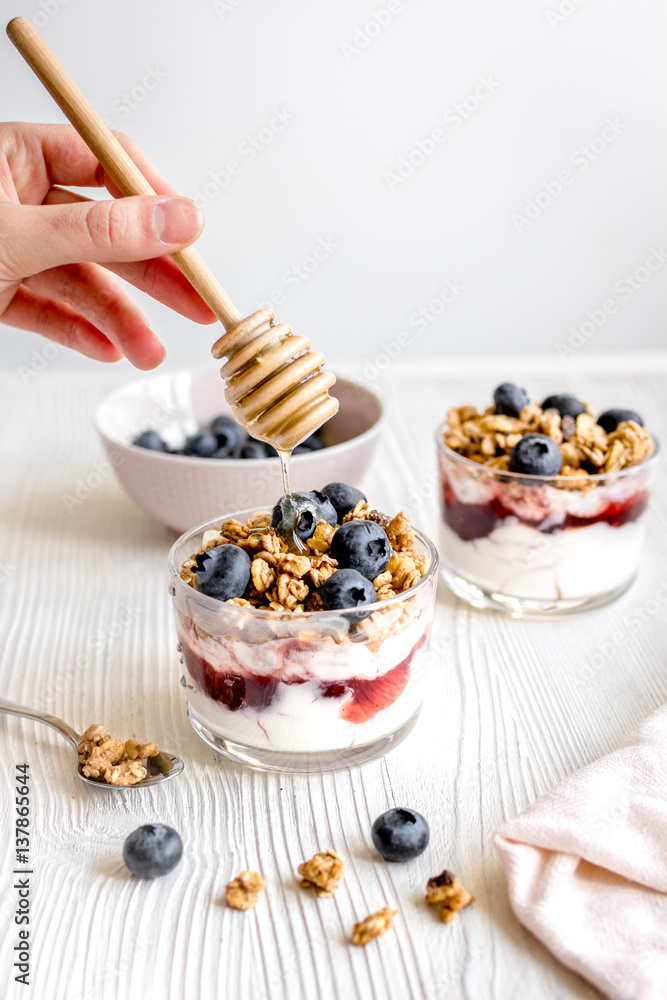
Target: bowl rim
228, 463
558, 481
265, 614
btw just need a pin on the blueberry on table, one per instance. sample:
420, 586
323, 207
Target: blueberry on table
223, 572
536, 455
227, 431
509, 399
152, 850
610, 419
361, 545
343, 497
347, 589
567, 406
201, 445
325, 505
249, 449
150, 440
400, 834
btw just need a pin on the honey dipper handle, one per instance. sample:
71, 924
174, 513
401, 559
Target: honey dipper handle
117, 163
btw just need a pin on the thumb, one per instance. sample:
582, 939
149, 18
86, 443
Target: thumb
34, 238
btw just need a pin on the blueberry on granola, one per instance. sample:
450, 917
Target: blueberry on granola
150, 440
509, 399
347, 589
610, 419
325, 505
222, 572
567, 406
400, 834
536, 455
152, 850
343, 497
201, 445
361, 545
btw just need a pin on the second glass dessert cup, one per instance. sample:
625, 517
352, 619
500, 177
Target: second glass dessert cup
313, 691
535, 546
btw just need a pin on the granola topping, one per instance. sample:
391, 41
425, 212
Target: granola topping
446, 891
117, 762
324, 872
242, 893
489, 437
283, 581
374, 926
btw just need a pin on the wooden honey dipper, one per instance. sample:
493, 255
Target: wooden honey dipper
272, 379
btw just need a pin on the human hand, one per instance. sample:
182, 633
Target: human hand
53, 243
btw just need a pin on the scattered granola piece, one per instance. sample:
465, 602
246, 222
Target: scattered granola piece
242, 893
324, 872
446, 890
373, 926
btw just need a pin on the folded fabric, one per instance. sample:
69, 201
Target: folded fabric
587, 867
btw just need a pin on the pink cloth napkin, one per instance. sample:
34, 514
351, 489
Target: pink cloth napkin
587, 867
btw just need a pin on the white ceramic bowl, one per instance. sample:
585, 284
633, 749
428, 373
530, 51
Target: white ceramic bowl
184, 491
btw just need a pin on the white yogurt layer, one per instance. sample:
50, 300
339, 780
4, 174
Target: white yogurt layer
520, 561
299, 718
288, 659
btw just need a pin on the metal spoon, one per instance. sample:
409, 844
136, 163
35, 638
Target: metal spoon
73, 737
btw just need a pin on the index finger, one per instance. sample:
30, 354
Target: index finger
61, 151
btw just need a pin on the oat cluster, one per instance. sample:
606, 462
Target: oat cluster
283, 581
488, 438
324, 872
242, 893
445, 890
374, 926
118, 762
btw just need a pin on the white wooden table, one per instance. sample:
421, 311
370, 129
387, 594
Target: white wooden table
86, 628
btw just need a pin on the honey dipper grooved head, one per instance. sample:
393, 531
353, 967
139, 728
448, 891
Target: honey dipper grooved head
273, 381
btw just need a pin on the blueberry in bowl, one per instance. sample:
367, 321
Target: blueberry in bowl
184, 490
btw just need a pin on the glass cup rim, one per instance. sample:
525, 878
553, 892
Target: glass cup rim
266, 614
558, 481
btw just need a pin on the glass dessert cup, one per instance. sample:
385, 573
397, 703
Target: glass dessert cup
535, 546
311, 691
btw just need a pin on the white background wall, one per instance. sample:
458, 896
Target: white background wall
557, 71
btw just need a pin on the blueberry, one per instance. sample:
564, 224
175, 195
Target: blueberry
347, 589
223, 572
400, 834
203, 444
227, 431
152, 850
536, 455
610, 419
313, 443
361, 545
249, 449
510, 399
325, 505
223, 452
296, 514
150, 440
567, 406
343, 497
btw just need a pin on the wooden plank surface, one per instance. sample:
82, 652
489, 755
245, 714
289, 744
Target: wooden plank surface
86, 628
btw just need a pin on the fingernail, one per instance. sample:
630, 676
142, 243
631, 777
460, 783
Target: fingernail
178, 220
